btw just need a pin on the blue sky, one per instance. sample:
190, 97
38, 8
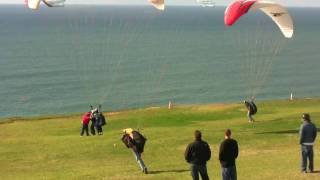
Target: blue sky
299, 3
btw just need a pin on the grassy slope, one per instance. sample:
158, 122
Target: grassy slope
52, 149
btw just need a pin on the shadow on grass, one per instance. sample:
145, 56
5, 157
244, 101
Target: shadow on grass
295, 131
168, 171
316, 172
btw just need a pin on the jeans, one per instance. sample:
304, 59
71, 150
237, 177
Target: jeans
92, 129
196, 169
139, 160
84, 129
306, 153
229, 173
250, 117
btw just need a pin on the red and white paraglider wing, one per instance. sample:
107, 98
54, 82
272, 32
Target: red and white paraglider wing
159, 4
237, 9
33, 4
278, 14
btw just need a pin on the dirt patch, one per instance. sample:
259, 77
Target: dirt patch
216, 107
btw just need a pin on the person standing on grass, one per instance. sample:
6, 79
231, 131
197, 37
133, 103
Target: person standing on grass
227, 155
197, 154
85, 123
308, 134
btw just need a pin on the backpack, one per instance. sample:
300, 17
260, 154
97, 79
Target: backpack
103, 120
139, 141
253, 108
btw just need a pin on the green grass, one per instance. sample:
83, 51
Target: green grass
51, 148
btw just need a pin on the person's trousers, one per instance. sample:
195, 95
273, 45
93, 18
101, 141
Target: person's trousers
92, 129
306, 153
139, 160
250, 117
99, 129
196, 169
229, 173
84, 129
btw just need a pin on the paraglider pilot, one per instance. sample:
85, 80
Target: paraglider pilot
97, 120
252, 109
135, 141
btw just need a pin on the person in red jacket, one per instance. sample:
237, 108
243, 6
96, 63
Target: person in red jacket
85, 123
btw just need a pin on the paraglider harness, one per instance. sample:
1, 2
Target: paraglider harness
97, 119
251, 106
136, 143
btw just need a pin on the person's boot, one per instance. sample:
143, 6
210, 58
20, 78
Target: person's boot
145, 170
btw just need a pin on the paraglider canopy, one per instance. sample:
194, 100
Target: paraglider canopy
54, 3
159, 4
275, 11
206, 3
34, 4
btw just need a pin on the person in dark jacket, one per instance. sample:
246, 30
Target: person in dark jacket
252, 109
197, 154
85, 123
308, 134
227, 155
97, 121
135, 141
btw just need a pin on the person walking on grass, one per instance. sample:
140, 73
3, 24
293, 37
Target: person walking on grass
227, 155
135, 141
251, 110
85, 123
197, 154
308, 134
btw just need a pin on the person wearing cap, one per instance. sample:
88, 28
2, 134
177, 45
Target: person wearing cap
134, 140
228, 154
308, 134
197, 154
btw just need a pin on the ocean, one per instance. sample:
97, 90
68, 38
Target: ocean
58, 61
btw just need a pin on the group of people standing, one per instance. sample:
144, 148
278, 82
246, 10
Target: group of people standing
198, 153
97, 120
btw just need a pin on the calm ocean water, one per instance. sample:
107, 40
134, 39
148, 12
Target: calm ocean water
60, 60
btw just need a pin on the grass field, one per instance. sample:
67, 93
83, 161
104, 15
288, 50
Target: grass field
51, 148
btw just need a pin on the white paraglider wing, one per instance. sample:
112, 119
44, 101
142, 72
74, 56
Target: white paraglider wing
33, 4
278, 14
159, 4
206, 3
54, 3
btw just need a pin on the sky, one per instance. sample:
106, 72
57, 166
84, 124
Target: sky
297, 3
